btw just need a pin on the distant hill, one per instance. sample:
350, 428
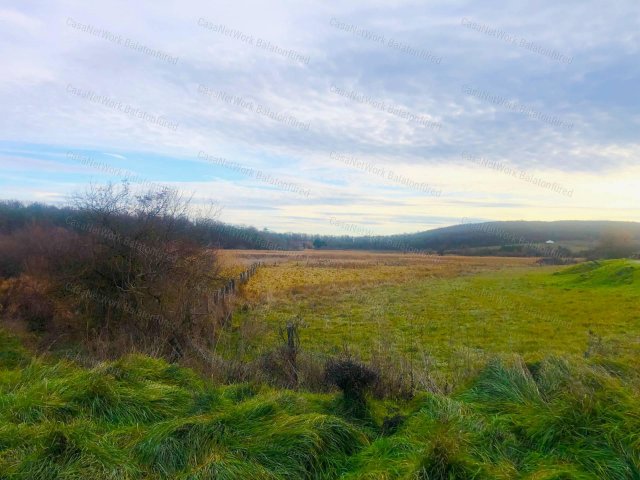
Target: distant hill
490, 238
520, 232
506, 238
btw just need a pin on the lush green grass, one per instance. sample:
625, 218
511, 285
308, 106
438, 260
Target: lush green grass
141, 418
534, 311
551, 389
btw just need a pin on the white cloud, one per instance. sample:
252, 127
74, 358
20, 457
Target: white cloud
43, 54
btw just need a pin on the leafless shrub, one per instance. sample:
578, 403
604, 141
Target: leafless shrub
394, 377
140, 259
311, 373
281, 364
124, 275
351, 377
40, 250
29, 299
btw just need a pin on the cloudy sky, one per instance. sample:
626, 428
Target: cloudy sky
305, 115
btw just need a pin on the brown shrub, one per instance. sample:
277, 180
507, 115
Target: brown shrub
122, 277
29, 299
41, 250
352, 377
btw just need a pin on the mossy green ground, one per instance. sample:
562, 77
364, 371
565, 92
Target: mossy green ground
141, 418
533, 311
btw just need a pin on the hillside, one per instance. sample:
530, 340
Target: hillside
525, 238
500, 233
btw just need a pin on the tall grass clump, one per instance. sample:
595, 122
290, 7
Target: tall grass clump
143, 418
555, 420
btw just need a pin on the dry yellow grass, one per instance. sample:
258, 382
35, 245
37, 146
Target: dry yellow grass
372, 302
231, 264
327, 270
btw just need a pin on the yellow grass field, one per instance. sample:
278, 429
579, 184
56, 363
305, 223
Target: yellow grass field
288, 273
443, 309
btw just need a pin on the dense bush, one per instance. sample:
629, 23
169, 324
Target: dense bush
120, 276
353, 378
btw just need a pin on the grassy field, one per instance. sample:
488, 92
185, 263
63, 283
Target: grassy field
141, 418
445, 308
542, 364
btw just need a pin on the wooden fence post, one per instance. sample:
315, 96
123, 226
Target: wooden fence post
221, 294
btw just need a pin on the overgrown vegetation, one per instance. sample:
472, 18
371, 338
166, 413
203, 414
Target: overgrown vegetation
120, 277
142, 418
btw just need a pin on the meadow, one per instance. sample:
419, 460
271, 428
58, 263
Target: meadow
515, 371
443, 310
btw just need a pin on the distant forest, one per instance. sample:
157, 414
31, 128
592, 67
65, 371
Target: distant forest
592, 239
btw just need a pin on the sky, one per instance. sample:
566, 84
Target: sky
304, 116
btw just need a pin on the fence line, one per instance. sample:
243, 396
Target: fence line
220, 295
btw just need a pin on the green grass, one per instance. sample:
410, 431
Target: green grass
141, 418
12, 354
535, 312
551, 391
611, 273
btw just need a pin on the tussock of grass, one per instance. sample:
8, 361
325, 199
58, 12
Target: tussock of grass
569, 421
141, 418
